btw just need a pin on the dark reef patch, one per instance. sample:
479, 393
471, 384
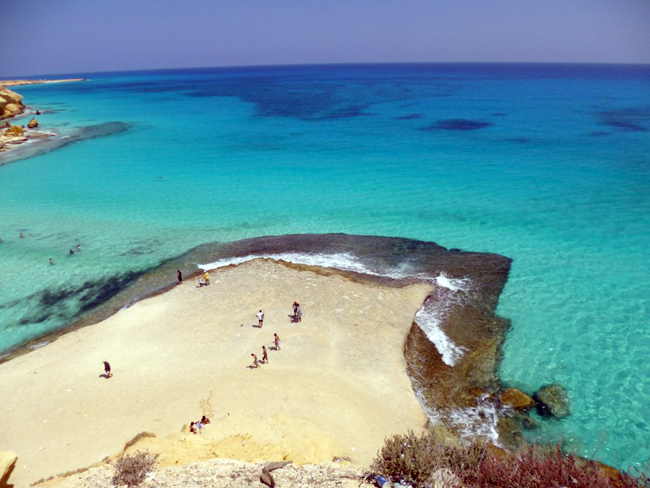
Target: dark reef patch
408, 117
521, 140
45, 144
626, 120
460, 125
71, 302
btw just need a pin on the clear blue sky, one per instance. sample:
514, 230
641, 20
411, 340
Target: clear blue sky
63, 36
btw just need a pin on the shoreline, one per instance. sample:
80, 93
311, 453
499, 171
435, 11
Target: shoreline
37, 82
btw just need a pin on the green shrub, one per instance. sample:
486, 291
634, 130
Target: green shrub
131, 470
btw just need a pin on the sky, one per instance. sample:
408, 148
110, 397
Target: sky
41, 37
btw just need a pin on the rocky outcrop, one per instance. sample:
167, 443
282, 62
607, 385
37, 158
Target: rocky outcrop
10, 103
552, 401
7, 465
10, 137
517, 399
33, 123
225, 472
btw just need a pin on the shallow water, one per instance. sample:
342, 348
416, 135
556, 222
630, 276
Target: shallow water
545, 164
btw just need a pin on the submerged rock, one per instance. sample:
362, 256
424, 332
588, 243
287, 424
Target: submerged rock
517, 399
552, 400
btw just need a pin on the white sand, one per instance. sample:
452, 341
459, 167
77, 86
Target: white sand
337, 388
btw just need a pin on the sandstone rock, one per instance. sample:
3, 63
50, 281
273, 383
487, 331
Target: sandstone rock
517, 399
444, 478
10, 103
552, 400
7, 465
33, 123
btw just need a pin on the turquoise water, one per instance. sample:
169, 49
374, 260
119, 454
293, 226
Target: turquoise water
549, 165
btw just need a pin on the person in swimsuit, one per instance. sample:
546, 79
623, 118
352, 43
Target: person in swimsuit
256, 362
179, 275
107, 369
265, 356
276, 339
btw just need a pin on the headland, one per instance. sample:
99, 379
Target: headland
11, 105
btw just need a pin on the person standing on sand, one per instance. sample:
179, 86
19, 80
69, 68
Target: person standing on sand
180, 276
107, 369
276, 339
298, 313
295, 310
256, 362
206, 278
265, 356
260, 319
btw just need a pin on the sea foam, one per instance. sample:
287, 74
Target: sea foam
429, 317
341, 261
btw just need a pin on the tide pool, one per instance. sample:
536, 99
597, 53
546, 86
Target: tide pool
546, 164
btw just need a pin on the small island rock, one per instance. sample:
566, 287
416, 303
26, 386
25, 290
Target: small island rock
517, 399
552, 400
33, 123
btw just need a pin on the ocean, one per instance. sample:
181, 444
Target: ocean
546, 164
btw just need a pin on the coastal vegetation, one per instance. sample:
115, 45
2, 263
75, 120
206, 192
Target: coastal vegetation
420, 459
132, 470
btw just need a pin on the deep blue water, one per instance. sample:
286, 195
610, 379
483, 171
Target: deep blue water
546, 164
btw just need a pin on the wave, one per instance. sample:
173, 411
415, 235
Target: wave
339, 261
429, 317
478, 421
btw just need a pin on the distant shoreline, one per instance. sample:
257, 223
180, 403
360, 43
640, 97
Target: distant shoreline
6, 83
12, 106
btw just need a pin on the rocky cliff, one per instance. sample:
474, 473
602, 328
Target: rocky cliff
10, 103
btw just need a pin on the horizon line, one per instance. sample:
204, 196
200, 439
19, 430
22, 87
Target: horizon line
333, 64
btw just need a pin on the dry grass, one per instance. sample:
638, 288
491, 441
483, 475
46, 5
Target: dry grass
413, 459
132, 470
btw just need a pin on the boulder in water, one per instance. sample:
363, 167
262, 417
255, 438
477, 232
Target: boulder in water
552, 401
517, 399
33, 123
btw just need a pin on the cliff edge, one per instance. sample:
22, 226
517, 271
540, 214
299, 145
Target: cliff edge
11, 103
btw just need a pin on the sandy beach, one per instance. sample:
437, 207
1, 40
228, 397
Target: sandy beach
336, 388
